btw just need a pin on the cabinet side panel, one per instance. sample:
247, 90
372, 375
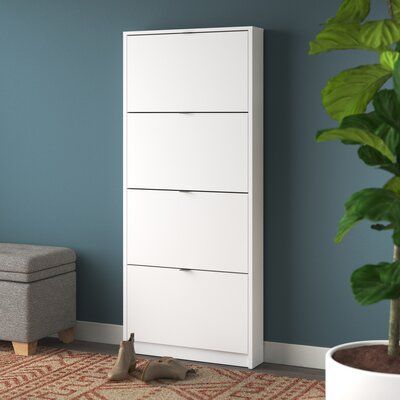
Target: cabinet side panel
124, 192
256, 202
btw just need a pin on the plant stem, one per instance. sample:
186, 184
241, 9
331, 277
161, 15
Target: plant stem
394, 319
390, 5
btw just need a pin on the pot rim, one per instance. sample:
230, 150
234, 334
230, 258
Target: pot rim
363, 343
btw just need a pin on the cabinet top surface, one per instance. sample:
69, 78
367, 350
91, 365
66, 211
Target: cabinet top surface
192, 30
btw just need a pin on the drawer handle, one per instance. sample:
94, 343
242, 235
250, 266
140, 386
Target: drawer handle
185, 269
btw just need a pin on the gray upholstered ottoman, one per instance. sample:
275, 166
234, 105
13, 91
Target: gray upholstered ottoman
37, 294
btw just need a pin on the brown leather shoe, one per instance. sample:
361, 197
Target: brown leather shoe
165, 368
126, 361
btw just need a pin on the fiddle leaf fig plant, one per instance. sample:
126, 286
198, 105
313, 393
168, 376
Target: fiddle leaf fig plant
346, 98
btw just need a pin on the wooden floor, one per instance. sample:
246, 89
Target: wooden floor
274, 369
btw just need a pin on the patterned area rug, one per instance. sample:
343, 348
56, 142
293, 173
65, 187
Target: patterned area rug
59, 374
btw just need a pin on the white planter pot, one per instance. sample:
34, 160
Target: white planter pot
347, 383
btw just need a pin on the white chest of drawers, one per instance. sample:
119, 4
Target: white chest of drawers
193, 193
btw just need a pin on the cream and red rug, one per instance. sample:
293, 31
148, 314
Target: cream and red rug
58, 374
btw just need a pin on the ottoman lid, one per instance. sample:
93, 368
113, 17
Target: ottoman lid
27, 258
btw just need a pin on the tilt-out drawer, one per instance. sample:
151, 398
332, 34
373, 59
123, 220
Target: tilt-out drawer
199, 230
199, 309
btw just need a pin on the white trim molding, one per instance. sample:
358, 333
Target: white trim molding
274, 353
295, 354
98, 332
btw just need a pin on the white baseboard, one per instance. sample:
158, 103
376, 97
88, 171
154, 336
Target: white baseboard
98, 332
295, 354
275, 353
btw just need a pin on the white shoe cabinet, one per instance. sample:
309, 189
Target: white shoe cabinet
193, 193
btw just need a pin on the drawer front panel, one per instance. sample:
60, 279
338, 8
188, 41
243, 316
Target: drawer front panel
206, 231
199, 309
187, 151
184, 72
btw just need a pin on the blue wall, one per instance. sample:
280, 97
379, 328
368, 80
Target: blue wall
61, 146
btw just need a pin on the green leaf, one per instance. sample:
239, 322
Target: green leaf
374, 158
368, 121
390, 136
396, 236
396, 79
372, 123
379, 34
351, 11
393, 184
375, 205
345, 224
392, 168
336, 37
372, 36
350, 92
373, 283
388, 59
381, 227
387, 107
396, 9
357, 136
371, 156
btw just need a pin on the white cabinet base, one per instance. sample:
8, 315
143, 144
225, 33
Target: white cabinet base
189, 353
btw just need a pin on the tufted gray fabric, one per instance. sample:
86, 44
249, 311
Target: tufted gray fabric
26, 258
37, 291
31, 311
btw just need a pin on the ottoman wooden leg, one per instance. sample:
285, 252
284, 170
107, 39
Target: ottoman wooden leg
25, 349
67, 335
